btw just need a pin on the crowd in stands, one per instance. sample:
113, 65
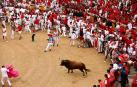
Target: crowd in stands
110, 26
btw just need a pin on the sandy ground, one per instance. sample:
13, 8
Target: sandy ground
40, 69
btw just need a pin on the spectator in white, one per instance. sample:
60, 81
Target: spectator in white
102, 39
106, 51
56, 37
49, 24
1, 12
88, 36
48, 31
114, 54
73, 38
12, 28
129, 25
42, 23
64, 30
115, 44
100, 42
58, 26
17, 10
134, 54
130, 50
117, 26
22, 10
70, 28
115, 66
45, 20
125, 48
84, 31
78, 22
4, 32
100, 12
5, 76
27, 25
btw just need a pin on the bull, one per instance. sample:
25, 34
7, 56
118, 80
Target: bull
70, 65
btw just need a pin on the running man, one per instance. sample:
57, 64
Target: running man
50, 43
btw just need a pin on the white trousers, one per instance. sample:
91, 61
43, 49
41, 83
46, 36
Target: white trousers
72, 42
36, 26
100, 47
12, 34
49, 46
27, 28
4, 79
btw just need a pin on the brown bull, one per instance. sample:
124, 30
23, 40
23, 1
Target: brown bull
70, 65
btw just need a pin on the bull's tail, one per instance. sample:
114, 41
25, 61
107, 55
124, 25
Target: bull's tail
88, 70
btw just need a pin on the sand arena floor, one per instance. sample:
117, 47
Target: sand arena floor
40, 69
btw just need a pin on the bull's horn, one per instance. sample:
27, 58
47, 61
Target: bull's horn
60, 58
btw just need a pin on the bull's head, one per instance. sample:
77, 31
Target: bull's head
64, 62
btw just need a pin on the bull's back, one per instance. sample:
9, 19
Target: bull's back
76, 65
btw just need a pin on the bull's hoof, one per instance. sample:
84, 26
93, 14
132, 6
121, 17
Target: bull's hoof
71, 71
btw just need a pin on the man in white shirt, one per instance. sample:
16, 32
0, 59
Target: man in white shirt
5, 76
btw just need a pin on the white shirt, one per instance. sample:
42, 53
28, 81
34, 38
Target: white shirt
11, 8
22, 10
102, 37
88, 35
17, 10
125, 49
0, 10
129, 26
115, 66
134, 53
117, 26
78, 23
130, 50
4, 72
